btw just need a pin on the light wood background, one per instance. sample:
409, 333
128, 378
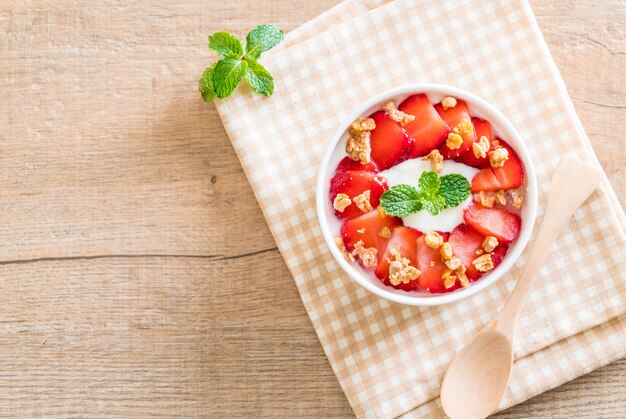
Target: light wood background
137, 275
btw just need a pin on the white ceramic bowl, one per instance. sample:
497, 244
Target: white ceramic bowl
330, 225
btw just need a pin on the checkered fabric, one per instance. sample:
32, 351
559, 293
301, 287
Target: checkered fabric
389, 358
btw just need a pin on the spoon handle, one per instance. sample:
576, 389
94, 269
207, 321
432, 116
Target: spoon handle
572, 183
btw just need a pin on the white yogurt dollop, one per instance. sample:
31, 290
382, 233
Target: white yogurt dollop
409, 172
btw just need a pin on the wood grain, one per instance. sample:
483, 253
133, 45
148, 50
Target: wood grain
137, 275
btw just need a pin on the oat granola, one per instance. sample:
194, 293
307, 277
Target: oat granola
446, 251
358, 147
436, 160
362, 201
397, 115
500, 197
489, 243
448, 102
463, 127
481, 147
400, 271
454, 263
483, 263
485, 199
454, 141
385, 233
341, 202
433, 239
498, 157
367, 254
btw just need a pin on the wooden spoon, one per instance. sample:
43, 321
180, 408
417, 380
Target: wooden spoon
479, 374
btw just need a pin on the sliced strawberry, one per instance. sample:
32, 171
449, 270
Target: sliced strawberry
481, 128
367, 227
485, 180
509, 176
353, 183
431, 267
403, 239
453, 116
497, 222
465, 242
390, 144
428, 130
348, 164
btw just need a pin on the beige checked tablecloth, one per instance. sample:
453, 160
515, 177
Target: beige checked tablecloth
388, 358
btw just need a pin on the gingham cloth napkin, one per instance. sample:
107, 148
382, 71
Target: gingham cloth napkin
389, 358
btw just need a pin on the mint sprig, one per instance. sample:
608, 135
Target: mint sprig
221, 79
434, 195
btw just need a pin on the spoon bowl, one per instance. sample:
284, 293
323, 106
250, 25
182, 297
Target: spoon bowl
487, 361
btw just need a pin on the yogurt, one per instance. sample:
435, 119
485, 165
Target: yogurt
409, 172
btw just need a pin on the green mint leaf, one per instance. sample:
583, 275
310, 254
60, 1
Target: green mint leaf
262, 38
226, 45
454, 189
433, 204
259, 78
429, 183
205, 85
401, 200
227, 74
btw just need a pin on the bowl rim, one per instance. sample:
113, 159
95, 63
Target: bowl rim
530, 198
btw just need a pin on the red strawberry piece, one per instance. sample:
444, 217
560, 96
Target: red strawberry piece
453, 116
485, 180
367, 228
403, 239
465, 242
348, 164
390, 144
497, 222
353, 183
509, 176
428, 130
431, 267
481, 128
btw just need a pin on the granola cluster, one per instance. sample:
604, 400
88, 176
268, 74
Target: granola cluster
454, 267
483, 263
362, 201
396, 115
481, 147
489, 244
500, 197
448, 102
358, 146
498, 156
341, 202
450, 276
436, 160
385, 233
367, 254
400, 272
433, 239
455, 139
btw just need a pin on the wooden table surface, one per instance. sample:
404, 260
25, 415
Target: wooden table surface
137, 274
